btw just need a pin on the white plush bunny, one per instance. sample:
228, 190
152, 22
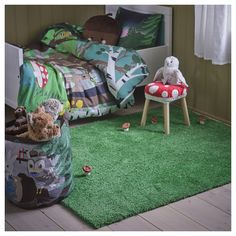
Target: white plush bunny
170, 73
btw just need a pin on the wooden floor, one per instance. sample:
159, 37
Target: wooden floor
208, 211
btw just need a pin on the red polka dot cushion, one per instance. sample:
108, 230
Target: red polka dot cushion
166, 93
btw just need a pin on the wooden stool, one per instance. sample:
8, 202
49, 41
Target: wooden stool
165, 94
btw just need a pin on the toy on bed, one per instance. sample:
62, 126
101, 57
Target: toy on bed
170, 73
102, 28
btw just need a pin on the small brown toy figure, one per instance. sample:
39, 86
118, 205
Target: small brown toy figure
103, 29
87, 170
154, 119
40, 126
126, 126
202, 119
20, 115
20, 125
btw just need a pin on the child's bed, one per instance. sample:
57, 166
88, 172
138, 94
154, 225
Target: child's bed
80, 73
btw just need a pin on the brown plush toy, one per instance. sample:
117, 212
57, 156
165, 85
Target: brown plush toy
40, 126
102, 28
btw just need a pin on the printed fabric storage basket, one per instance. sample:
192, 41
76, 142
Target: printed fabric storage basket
38, 173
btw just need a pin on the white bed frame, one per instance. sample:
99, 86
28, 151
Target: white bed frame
154, 57
13, 62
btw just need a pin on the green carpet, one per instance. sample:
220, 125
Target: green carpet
143, 169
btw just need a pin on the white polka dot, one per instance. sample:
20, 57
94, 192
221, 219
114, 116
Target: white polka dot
164, 94
151, 84
167, 86
184, 91
153, 89
175, 93
41, 68
43, 76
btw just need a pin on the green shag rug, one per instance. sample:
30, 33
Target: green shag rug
143, 169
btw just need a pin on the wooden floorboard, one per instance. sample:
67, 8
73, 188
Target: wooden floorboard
135, 223
204, 213
168, 219
105, 228
8, 227
29, 220
218, 197
72, 223
227, 186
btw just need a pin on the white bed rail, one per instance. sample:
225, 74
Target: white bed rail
13, 62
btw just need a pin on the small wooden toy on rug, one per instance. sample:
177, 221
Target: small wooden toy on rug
154, 119
202, 120
87, 170
126, 126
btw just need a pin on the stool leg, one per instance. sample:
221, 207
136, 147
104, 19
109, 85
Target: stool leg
185, 111
145, 110
166, 109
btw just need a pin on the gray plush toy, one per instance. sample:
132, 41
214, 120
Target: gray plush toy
53, 107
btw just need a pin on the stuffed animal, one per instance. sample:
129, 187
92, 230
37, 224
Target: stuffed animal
20, 125
170, 73
53, 107
40, 126
103, 29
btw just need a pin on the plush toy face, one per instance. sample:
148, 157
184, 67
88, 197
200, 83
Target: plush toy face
20, 111
172, 62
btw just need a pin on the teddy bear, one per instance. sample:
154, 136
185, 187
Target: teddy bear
41, 126
20, 124
170, 73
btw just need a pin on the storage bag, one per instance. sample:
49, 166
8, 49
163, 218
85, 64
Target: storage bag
38, 173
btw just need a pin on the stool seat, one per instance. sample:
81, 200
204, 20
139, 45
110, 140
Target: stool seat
157, 91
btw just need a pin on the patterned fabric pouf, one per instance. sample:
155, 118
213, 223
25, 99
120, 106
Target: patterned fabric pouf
165, 93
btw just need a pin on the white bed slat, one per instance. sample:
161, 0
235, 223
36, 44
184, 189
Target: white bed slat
13, 61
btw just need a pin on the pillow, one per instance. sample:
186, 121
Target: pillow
139, 30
